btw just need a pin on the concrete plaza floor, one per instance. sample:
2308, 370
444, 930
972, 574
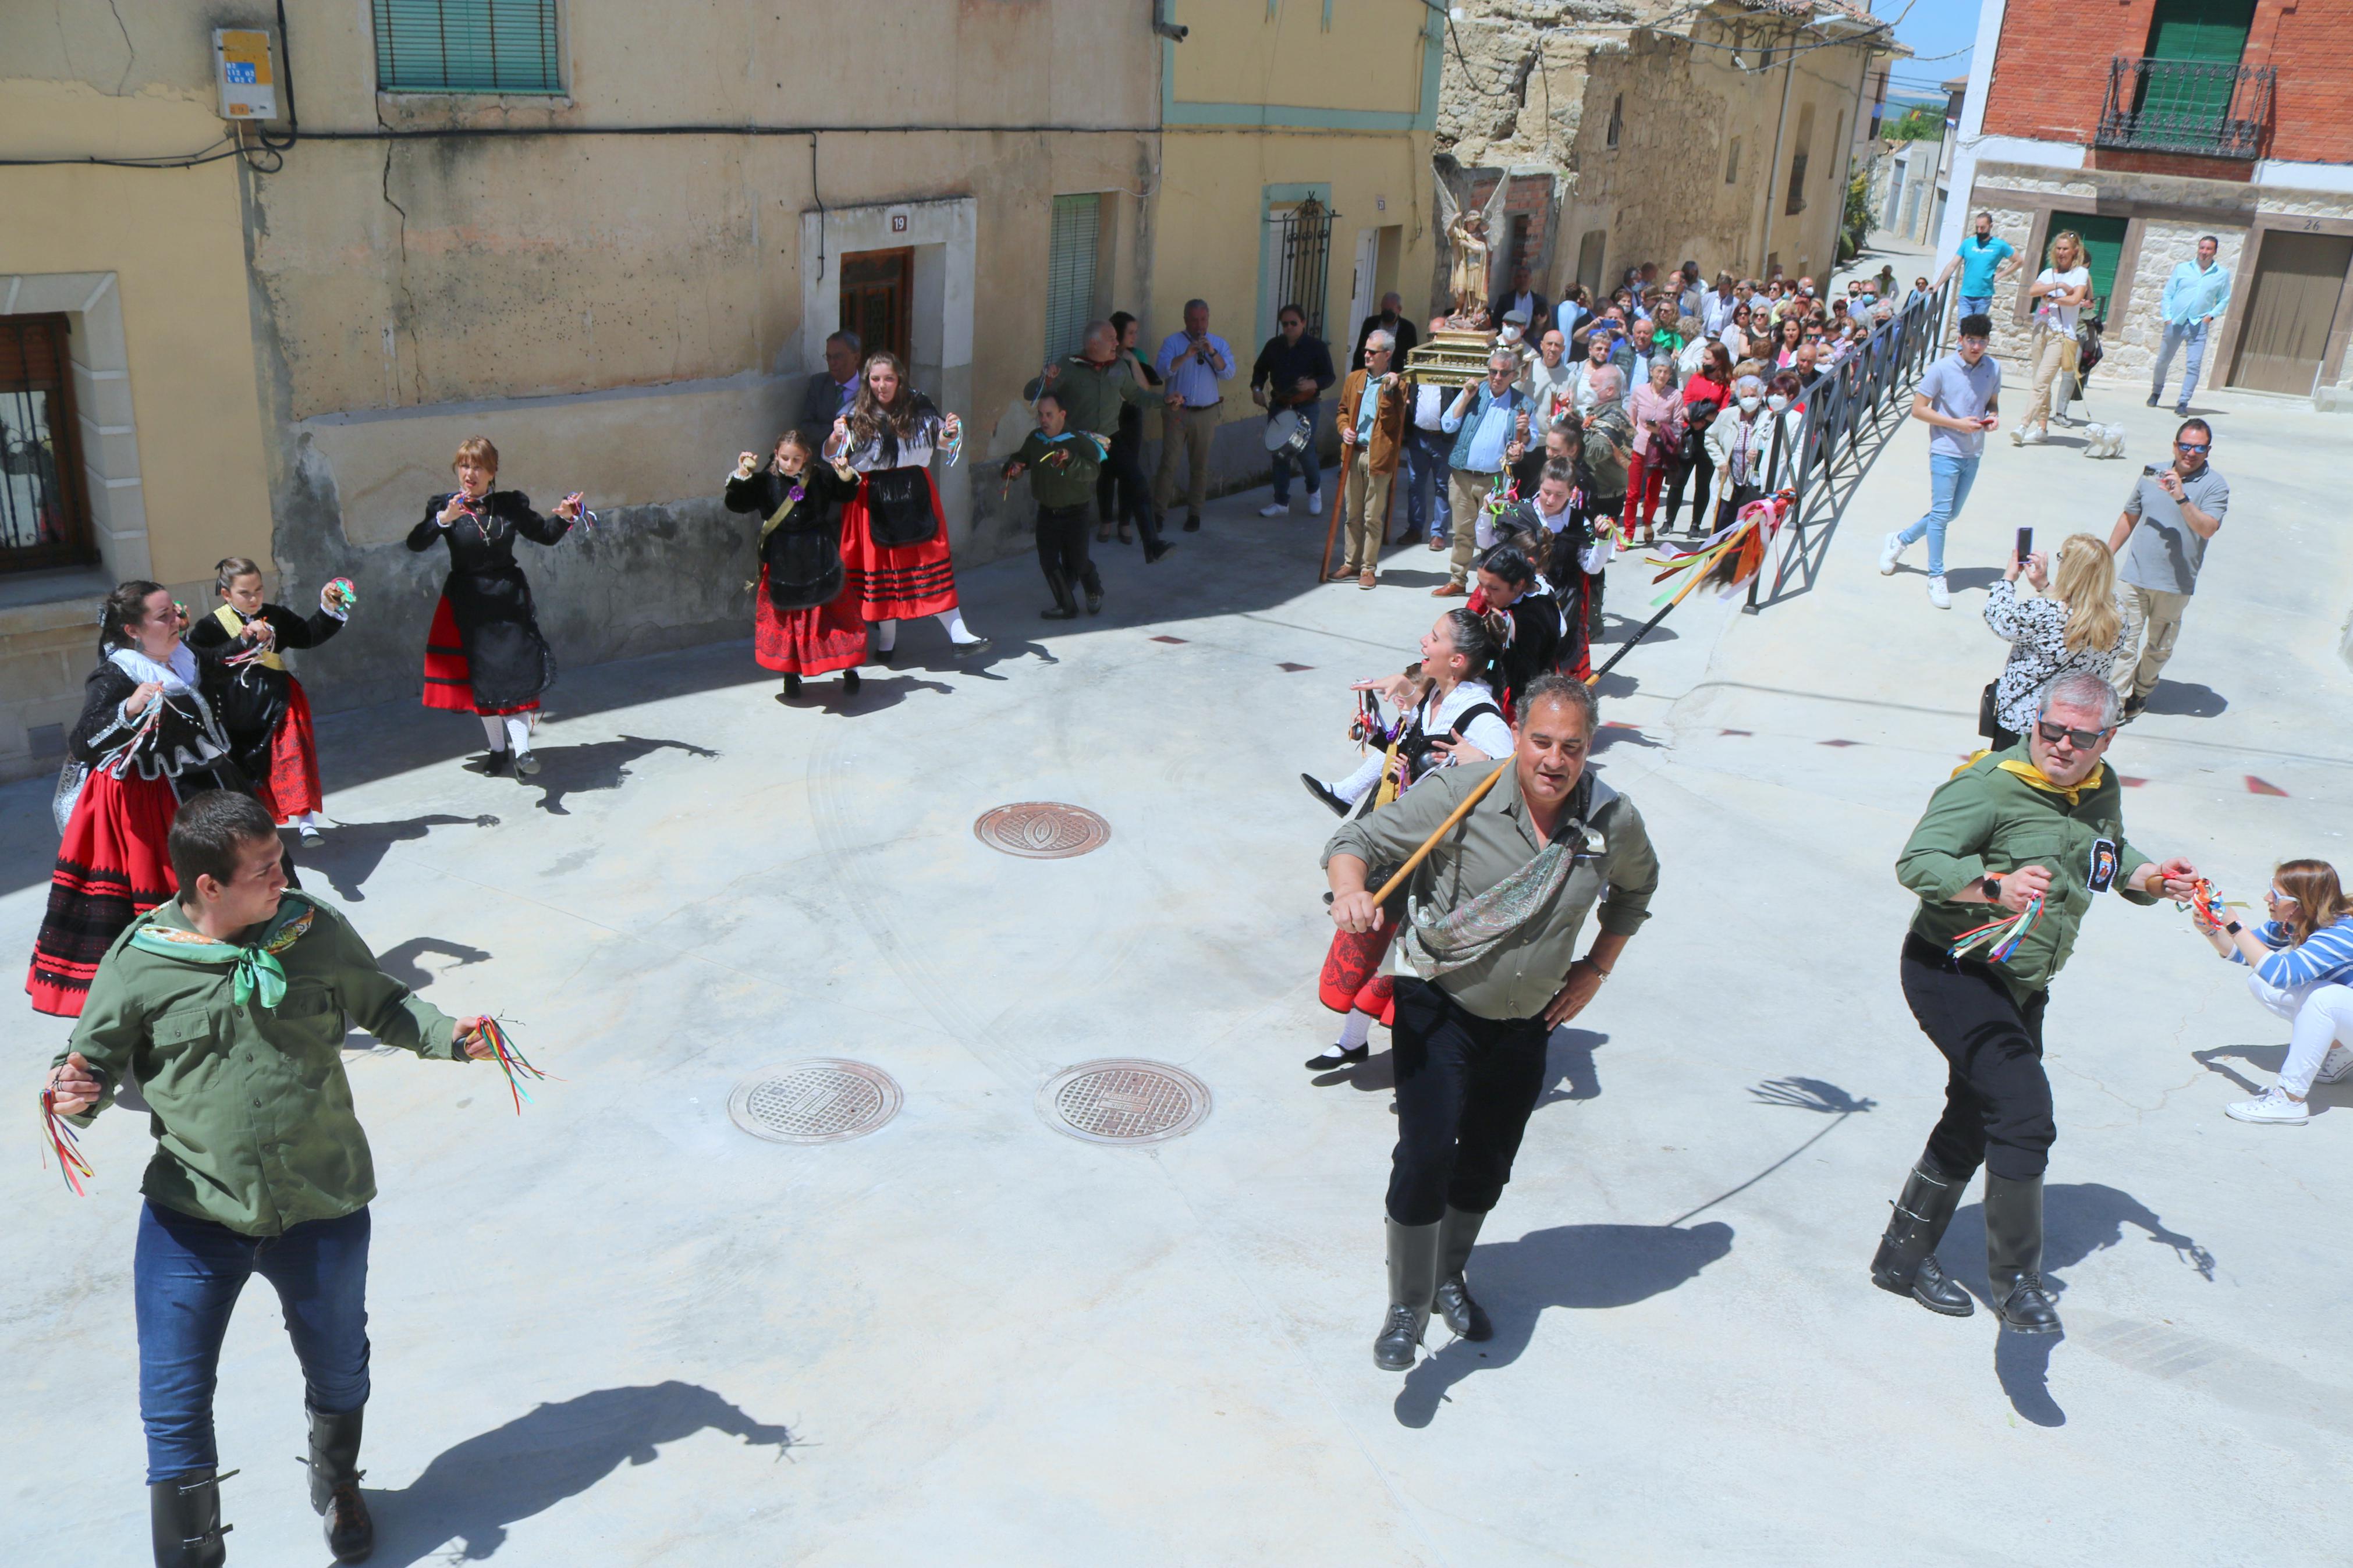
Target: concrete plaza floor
618, 1331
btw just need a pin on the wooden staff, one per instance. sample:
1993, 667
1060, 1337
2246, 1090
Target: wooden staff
1478, 792
1332, 529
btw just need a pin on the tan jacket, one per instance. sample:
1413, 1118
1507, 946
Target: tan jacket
1388, 421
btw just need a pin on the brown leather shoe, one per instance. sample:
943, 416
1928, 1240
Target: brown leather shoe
1367, 578
1437, 544
1449, 591
1344, 574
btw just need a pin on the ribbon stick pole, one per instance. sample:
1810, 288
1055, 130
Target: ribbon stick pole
1478, 792
1332, 529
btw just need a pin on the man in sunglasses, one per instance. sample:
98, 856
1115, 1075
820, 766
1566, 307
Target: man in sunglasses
2026, 838
2159, 542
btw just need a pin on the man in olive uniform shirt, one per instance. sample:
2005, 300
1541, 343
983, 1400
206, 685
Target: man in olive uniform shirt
227, 1005
1498, 908
2044, 820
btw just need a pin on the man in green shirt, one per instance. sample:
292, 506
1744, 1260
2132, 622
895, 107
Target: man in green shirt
1093, 386
1495, 916
2032, 832
227, 1005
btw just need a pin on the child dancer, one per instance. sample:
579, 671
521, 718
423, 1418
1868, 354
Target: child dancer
484, 654
1062, 464
894, 538
808, 621
260, 703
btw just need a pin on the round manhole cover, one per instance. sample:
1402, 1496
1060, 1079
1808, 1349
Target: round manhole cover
1124, 1101
821, 1100
1042, 829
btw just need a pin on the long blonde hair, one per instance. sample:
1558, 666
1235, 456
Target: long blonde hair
2320, 901
2085, 582
2075, 244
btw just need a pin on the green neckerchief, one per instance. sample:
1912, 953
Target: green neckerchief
259, 973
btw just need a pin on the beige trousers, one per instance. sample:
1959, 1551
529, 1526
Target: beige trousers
1364, 513
1466, 503
2044, 357
2161, 623
1187, 432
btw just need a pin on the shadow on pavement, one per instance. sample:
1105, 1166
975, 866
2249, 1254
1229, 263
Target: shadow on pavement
599, 765
470, 1494
400, 962
353, 850
2186, 699
1587, 1267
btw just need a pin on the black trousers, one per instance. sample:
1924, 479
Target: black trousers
1700, 473
1465, 1087
1062, 544
1727, 511
1997, 1096
1121, 489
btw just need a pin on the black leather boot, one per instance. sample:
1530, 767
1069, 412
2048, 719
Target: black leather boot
184, 1517
1456, 1234
335, 1485
1065, 607
1413, 1280
1092, 580
792, 685
1905, 1262
2014, 1215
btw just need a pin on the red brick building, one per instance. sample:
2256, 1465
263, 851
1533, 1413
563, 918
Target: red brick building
2143, 124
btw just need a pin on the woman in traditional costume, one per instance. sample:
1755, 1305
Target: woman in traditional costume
147, 738
485, 654
894, 537
808, 621
259, 703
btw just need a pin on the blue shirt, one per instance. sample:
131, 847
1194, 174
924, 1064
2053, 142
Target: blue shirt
1486, 428
2325, 954
2193, 292
1368, 408
1979, 263
1194, 381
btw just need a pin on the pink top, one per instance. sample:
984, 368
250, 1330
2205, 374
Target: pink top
1647, 404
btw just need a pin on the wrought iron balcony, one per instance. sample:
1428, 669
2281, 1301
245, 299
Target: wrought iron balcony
2201, 107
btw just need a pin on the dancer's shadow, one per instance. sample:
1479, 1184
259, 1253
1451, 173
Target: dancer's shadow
2188, 700
353, 850
1611, 735
2079, 1218
400, 962
599, 765
471, 1493
1574, 1266
1616, 629
874, 694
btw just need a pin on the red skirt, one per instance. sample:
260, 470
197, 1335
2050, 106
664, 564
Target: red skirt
449, 683
113, 867
829, 636
898, 582
1352, 977
292, 787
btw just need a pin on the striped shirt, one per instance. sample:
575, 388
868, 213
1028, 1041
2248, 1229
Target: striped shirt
2326, 955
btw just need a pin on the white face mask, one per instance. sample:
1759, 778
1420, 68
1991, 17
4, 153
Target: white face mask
1777, 402
1749, 405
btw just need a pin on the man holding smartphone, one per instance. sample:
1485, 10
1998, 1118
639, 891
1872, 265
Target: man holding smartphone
2159, 543
1958, 399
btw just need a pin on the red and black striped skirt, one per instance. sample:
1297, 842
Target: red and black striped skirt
824, 638
896, 582
449, 680
292, 787
113, 867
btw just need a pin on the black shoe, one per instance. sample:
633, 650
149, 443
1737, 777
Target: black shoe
850, 682
525, 764
1457, 1234
886, 657
1065, 607
1317, 788
1413, 1281
792, 686
1906, 1263
335, 1485
489, 764
1400, 1338
1192, 522
183, 1520
977, 644
1093, 585
2181, 411
1153, 549
2014, 1221
2135, 707
2152, 400
1339, 1057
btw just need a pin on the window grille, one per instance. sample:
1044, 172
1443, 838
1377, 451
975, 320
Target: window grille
1303, 254
1070, 273
44, 513
466, 46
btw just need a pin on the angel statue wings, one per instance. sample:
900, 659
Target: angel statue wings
1467, 236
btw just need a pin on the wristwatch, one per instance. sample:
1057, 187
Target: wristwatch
2234, 928
1992, 888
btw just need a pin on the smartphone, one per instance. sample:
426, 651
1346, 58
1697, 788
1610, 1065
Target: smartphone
2025, 542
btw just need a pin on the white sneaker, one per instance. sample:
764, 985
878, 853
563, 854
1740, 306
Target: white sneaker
2271, 1106
1891, 550
1275, 509
2335, 1065
2018, 436
2035, 437
1937, 594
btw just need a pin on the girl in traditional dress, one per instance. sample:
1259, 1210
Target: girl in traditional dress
259, 701
808, 621
147, 738
894, 538
484, 654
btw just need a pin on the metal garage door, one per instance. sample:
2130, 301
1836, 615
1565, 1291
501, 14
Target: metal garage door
2298, 279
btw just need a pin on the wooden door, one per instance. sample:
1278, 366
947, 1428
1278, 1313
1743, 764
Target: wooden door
2289, 309
44, 515
878, 289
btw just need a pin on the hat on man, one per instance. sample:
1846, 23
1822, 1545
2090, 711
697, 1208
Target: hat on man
1516, 316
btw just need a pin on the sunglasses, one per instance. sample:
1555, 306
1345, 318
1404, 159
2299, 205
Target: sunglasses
2201, 447
2273, 896
2083, 739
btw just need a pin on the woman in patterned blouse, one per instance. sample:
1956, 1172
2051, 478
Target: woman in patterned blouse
2079, 624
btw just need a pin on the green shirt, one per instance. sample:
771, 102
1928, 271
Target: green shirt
1091, 393
1985, 821
252, 1114
1520, 979
1062, 469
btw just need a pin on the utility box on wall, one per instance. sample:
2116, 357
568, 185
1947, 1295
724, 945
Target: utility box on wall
249, 89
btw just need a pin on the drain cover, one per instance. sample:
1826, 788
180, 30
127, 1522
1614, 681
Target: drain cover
1124, 1101
821, 1100
1042, 829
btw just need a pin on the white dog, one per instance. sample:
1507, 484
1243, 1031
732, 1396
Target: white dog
2103, 440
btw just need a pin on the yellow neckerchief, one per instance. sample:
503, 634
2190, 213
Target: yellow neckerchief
228, 616
2033, 776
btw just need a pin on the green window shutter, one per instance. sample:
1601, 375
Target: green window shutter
466, 46
2212, 30
1070, 272
2104, 244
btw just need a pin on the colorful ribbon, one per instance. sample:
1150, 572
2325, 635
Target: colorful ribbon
2004, 934
344, 595
587, 518
64, 1145
952, 446
511, 1060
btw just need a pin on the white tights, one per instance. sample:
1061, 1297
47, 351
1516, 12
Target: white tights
504, 730
886, 633
1356, 1029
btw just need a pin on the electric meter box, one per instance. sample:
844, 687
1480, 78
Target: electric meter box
249, 89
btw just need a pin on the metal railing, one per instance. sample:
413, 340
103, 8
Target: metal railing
1823, 445
1303, 238
2202, 107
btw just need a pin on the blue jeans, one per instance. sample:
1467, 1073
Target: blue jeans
1425, 458
2176, 334
185, 1277
1309, 466
1973, 305
1949, 478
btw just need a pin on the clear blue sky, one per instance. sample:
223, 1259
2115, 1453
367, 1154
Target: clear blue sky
1930, 27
